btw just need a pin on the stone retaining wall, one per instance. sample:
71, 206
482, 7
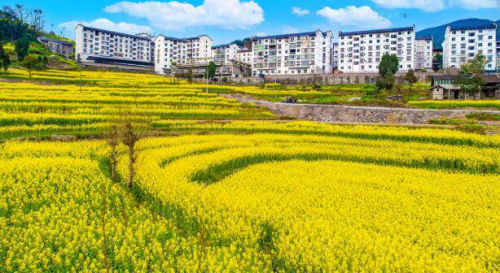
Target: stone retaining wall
358, 114
323, 79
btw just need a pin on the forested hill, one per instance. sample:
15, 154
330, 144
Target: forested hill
438, 32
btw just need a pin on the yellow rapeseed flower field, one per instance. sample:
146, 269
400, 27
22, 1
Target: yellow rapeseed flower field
219, 186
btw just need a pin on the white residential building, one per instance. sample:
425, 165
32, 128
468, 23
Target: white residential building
225, 54
289, 54
498, 56
462, 44
362, 51
109, 47
424, 53
335, 56
181, 52
245, 55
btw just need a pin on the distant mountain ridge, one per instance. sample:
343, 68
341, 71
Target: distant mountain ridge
438, 32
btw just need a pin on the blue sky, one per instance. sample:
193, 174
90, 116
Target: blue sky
227, 20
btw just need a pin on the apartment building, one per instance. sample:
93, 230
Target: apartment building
245, 55
335, 56
498, 56
108, 47
424, 53
462, 44
225, 54
362, 51
171, 51
57, 46
289, 54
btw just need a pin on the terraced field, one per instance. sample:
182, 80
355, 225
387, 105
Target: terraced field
232, 190
64, 104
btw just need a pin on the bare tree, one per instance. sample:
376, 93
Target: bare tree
37, 19
20, 13
113, 142
130, 139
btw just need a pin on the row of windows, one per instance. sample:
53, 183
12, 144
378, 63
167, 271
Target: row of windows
356, 61
453, 46
370, 67
285, 40
376, 41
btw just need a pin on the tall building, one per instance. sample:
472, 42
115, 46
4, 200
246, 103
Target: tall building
335, 56
181, 52
498, 56
245, 55
362, 51
289, 54
424, 53
462, 44
108, 47
225, 54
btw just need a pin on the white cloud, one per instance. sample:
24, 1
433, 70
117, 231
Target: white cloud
261, 34
104, 23
290, 29
229, 14
437, 5
300, 11
425, 5
362, 17
476, 4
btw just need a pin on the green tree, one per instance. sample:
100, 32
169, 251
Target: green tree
210, 71
388, 65
410, 77
470, 84
474, 66
22, 47
31, 63
385, 83
4, 59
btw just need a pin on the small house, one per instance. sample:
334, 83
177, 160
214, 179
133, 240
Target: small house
57, 46
444, 88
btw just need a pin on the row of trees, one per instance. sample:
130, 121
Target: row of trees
472, 83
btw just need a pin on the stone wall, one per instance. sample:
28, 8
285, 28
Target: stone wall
324, 79
358, 114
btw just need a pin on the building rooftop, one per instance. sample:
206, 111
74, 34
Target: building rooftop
375, 31
449, 86
220, 46
424, 38
181, 39
311, 33
488, 78
488, 26
116, 33
45, 39
244, 50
